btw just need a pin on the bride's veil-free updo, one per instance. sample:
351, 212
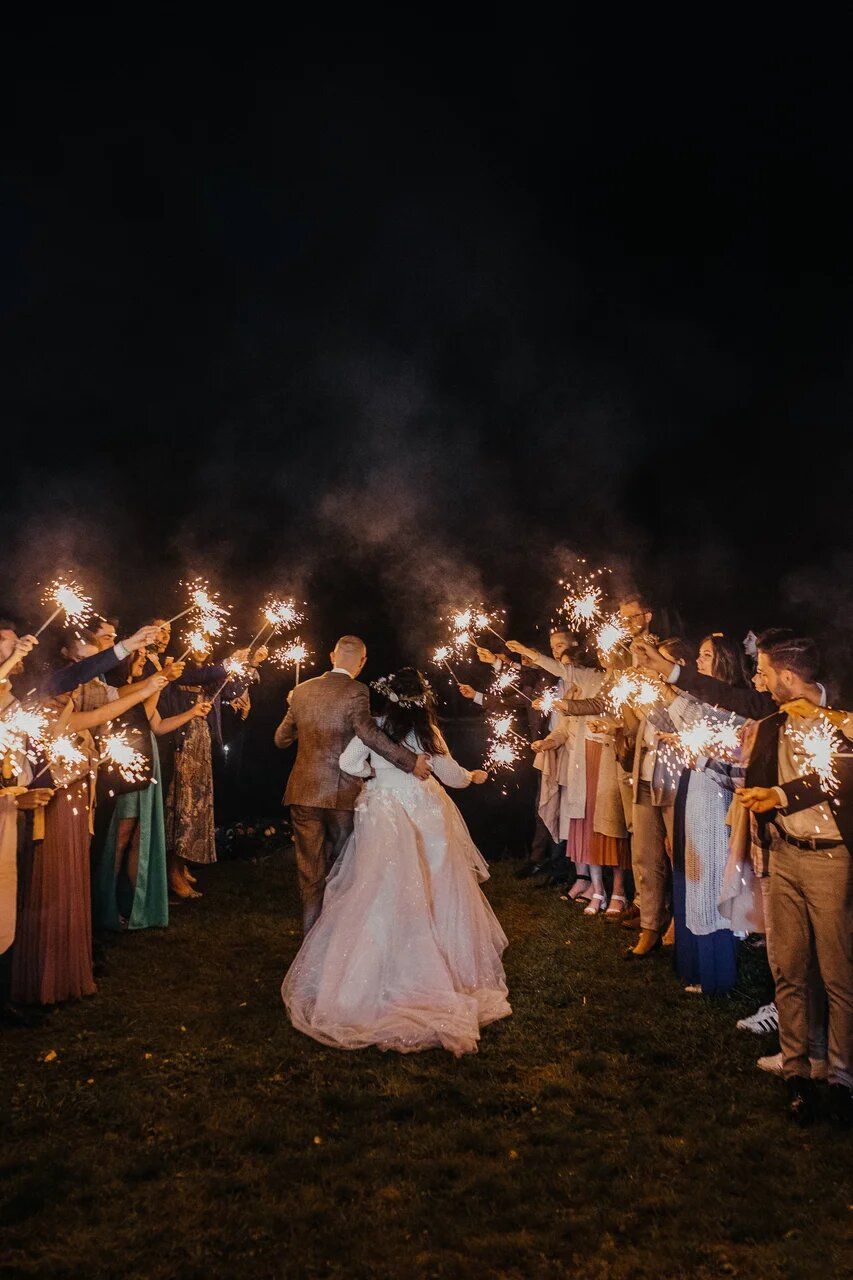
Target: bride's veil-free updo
410, 707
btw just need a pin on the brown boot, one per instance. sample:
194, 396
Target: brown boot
648, 941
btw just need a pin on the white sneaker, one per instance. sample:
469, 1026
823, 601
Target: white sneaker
762, 1022
773, 1064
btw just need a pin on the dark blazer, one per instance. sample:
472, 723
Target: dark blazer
67, 678
744, 702
803, 793
323, 717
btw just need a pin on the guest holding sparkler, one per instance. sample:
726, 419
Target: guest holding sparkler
654, 783
592, 811
801, 790
190, 831
705, 945
52, 959
130, 885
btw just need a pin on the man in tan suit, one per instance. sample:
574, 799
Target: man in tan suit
323, 716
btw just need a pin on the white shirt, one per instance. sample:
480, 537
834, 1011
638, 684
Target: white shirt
342, 671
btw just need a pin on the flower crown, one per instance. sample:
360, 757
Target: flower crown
383, 686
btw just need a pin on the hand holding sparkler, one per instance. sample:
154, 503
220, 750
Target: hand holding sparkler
468, 691
758, 799
486, 655
478, 776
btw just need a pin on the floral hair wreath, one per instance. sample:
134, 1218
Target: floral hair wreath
383, 686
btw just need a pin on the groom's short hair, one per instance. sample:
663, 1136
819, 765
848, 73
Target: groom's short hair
351, 647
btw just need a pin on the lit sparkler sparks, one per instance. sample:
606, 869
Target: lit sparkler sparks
547, 700
468, 622
506, 745
117, 753
68, 598
63, 752
441, 657
611, 634
632, 689
817, 746
719, 740
23, 731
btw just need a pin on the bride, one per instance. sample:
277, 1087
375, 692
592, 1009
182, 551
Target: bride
406, 953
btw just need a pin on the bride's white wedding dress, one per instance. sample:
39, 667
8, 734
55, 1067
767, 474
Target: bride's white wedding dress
406, 953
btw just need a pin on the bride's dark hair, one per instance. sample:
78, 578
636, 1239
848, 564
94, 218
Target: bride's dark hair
410, 708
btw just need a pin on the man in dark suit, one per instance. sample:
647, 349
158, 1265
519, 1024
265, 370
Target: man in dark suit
323, 716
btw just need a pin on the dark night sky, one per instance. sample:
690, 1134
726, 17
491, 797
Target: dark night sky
380, 326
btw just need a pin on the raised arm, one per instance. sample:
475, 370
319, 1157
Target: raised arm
101, 715
543, 660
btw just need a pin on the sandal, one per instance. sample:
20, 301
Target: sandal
571, 896
592, 909
614, 913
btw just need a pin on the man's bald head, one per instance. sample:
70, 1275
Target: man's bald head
350, 653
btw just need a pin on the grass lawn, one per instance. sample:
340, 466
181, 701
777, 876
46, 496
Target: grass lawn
613, 1127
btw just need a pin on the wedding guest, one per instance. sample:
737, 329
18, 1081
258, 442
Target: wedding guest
705, 945
131, 884
810, 825
190, 829
52, 958
591, 808
653, 784
552, 818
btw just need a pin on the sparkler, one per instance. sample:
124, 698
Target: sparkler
440, 657
817, 746
212, 615
23, 731
611, 634
506, 680
631, 689
67, 596
718, 739
235, 668
280, 614
293, 655
472, 618
117, 753
505, 745
548, 698
63, 752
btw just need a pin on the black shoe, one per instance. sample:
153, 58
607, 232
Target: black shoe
528, 869
841, 1105
800, 1100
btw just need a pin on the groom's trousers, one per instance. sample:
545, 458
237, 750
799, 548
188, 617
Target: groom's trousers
319, 835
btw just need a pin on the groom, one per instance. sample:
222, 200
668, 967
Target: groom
323, 716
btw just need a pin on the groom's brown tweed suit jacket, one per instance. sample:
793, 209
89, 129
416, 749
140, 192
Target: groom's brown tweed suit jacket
324, 715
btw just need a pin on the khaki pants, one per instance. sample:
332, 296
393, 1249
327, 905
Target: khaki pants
811, 915
815, 994
319, 835
650, 861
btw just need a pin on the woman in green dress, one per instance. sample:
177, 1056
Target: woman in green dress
131, 889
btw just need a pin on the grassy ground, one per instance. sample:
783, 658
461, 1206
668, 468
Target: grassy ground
613, 1127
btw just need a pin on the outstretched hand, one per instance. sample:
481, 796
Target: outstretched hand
467, 691
479, 776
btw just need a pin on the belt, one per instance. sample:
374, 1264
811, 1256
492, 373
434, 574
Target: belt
812, 845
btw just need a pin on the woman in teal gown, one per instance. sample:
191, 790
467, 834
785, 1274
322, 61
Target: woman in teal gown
130, 886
